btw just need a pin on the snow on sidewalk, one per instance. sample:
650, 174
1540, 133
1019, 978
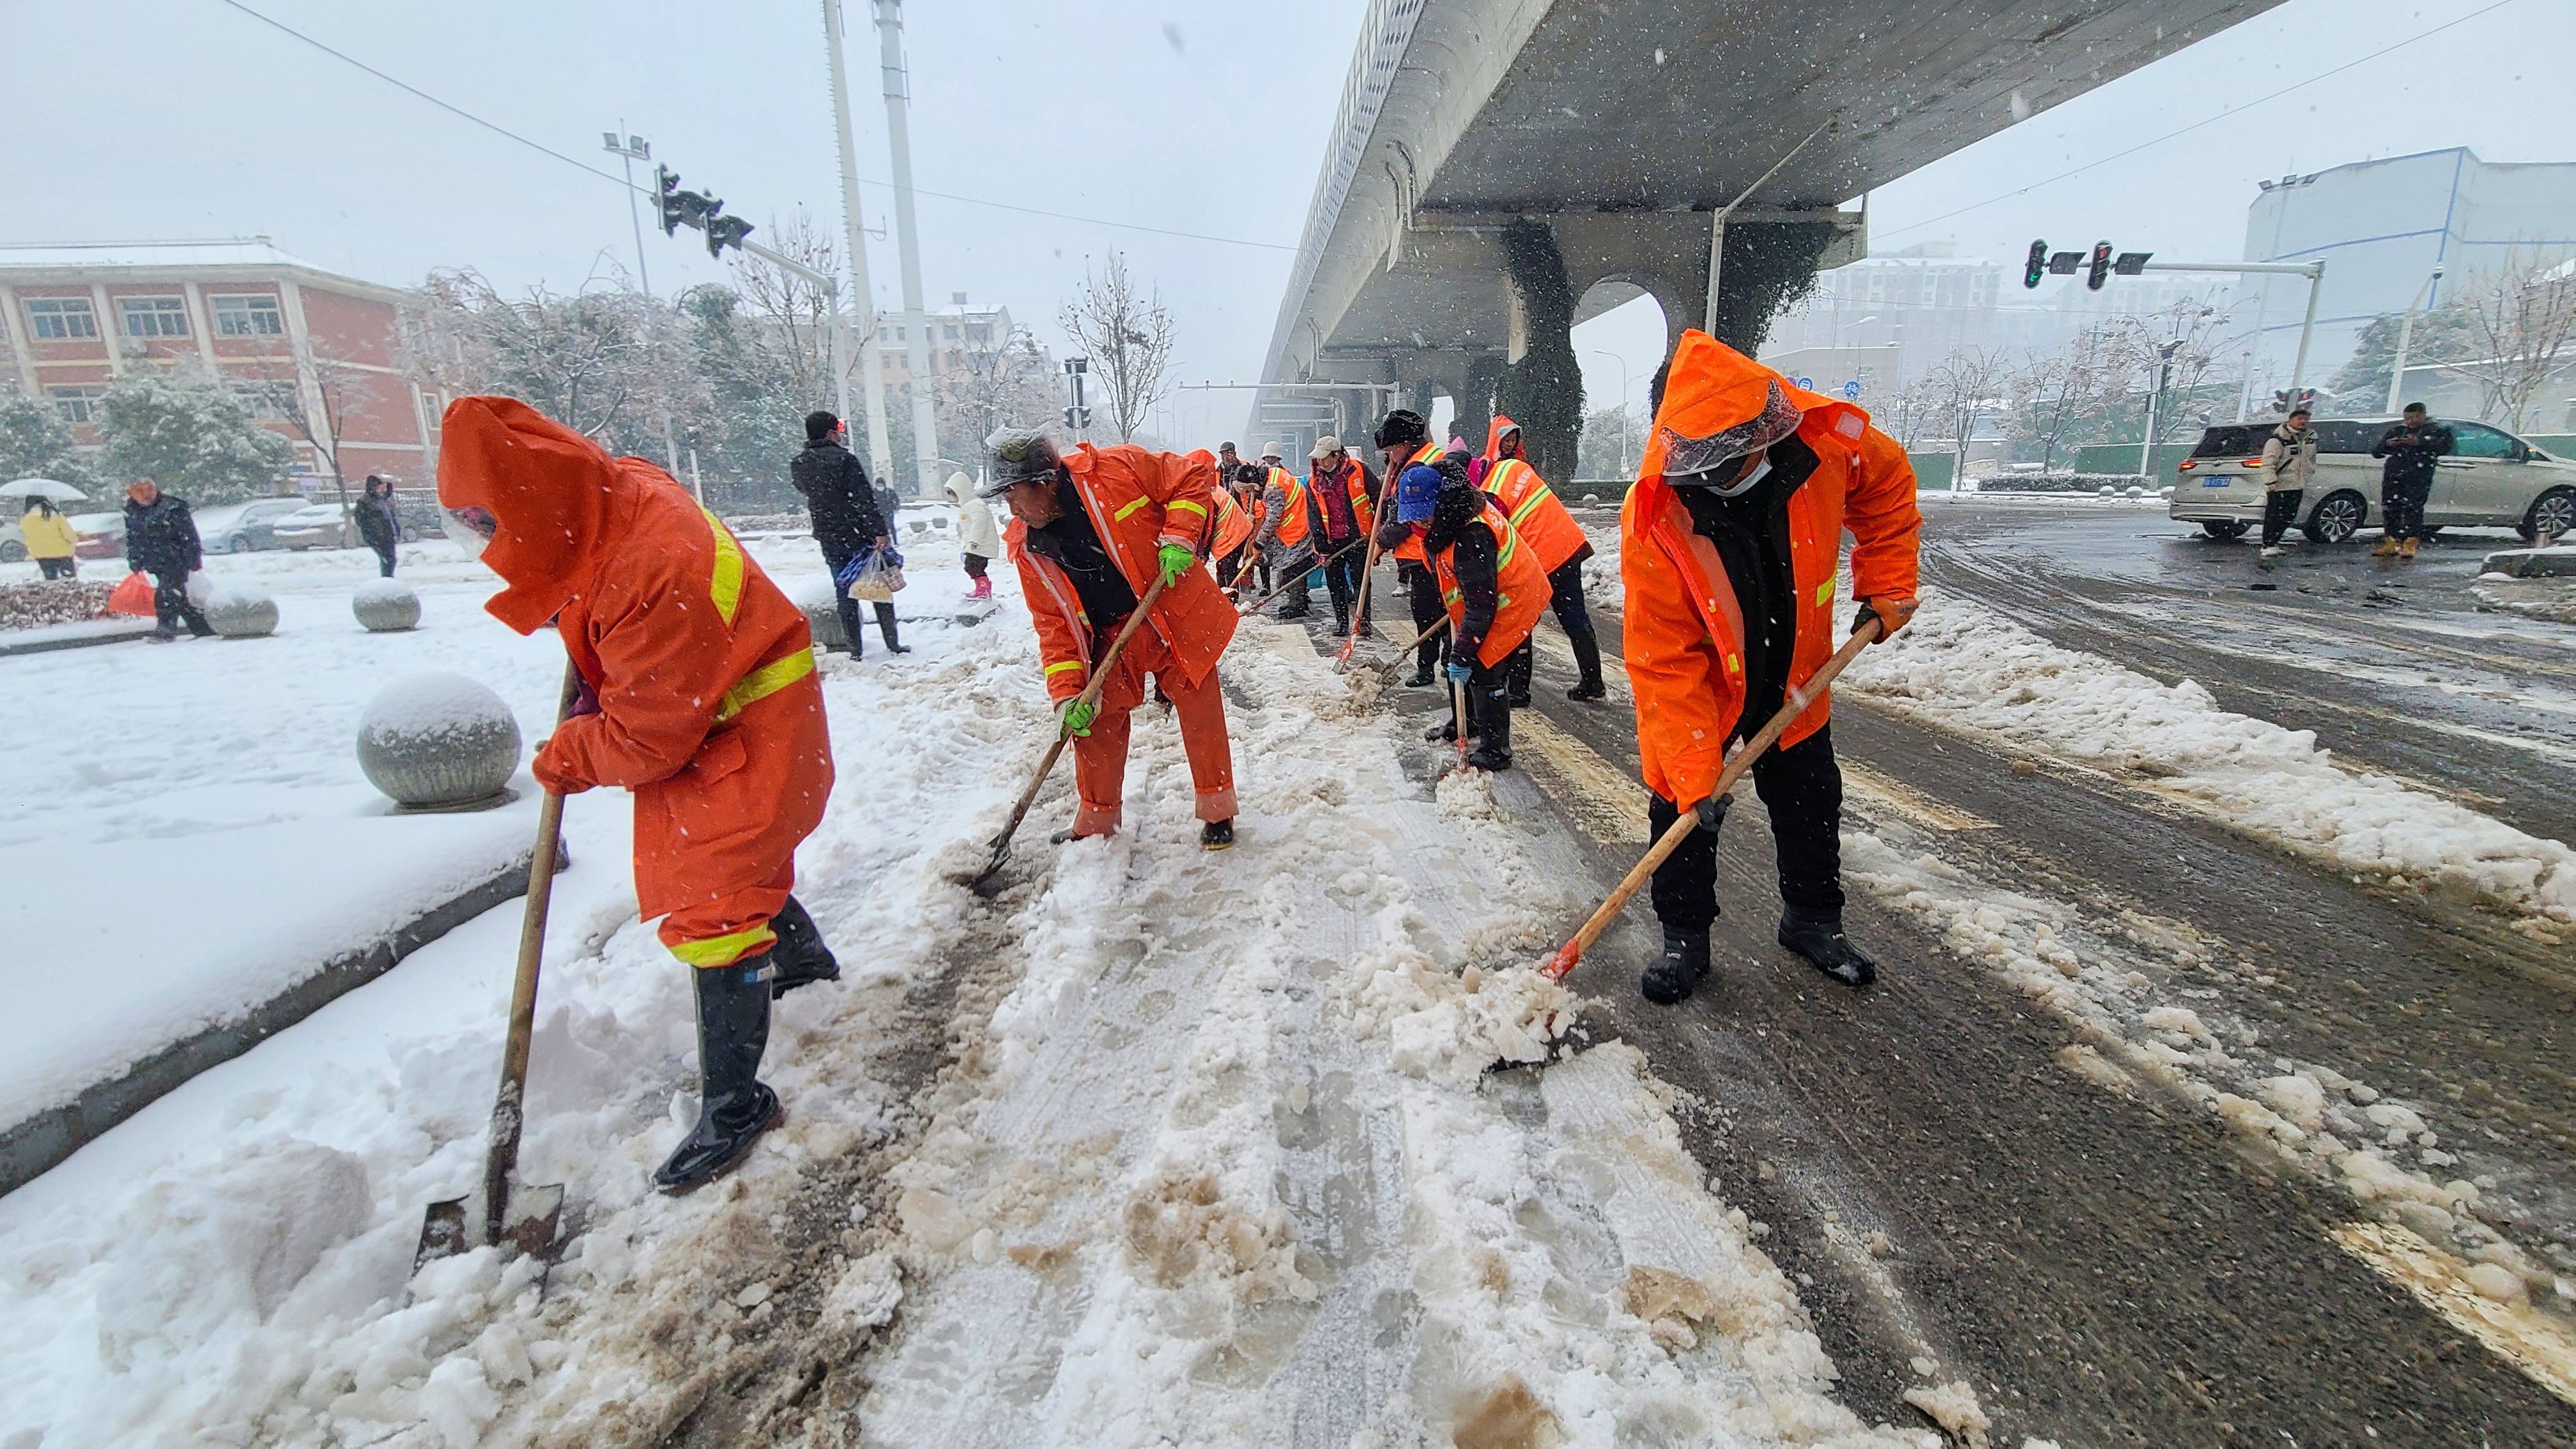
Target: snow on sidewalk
1961, 665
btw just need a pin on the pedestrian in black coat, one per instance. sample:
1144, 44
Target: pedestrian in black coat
2406, 479
377, 523
847, 520
161, 540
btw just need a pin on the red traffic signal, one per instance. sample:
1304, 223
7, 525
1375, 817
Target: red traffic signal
2098, 267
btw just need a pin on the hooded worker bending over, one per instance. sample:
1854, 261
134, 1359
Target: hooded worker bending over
1542, 521
1728, 544
697, 694
1490, 582
1089, 534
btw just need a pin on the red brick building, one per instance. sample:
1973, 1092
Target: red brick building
74, 318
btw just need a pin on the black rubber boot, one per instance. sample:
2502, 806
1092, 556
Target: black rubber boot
1419, 679
1216, 835
1445, 732
1341, 619
1587, 660
853, 643
800, 954
1683, 966
1493, 721
885, 625
1517, 674
1818, 936
734, 1108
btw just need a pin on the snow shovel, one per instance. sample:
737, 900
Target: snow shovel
1405, 651
1292, 577
1359, 607
528, 1218
1795, 705
1090, 695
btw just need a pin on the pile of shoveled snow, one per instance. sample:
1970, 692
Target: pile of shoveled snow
1961, 665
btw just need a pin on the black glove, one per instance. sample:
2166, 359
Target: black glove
1712, 812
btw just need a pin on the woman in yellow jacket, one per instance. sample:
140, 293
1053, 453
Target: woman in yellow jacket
49, 539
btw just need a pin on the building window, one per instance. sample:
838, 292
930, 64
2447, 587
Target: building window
154, 316
270, 402
251, 316
61, 317
77, 404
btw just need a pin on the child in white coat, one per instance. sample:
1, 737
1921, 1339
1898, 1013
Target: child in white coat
976, 534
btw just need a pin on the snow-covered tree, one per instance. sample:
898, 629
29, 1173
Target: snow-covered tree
607, 361
191, 434
1129, 335
1013, 382
1612, 439
35, 442
2440, 334
2522, 316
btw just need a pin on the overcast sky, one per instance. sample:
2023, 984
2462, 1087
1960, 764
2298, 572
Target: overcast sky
133, 119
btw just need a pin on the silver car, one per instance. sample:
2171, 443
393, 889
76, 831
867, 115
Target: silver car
2493, 480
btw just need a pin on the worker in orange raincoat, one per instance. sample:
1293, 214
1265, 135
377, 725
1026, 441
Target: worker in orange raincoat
1729, 544
1090, 533
1491, 586
697, 694
1542, 520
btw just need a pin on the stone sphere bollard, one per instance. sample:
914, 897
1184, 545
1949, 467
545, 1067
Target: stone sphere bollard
439, 742
823, 619
385, 606
242, 614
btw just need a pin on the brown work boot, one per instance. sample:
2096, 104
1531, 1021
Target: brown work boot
2387, 548
2406, 548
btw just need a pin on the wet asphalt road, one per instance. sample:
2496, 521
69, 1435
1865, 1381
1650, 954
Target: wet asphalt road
2110, 1266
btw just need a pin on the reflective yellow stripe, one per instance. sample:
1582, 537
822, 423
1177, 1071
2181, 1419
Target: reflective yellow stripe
1068, 664
1511, 545
1177, 505
1824, 593
723, 950
763, 682
1121, 515
1451, 596
1528, 506
726, 586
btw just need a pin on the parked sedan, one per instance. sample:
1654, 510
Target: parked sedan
2494, 480
247, 527
320, 525
98, 535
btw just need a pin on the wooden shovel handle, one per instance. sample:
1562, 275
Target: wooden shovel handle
1635, 880
508, 1105
1090, 695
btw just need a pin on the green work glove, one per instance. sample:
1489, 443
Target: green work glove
1176, 560
1077, 717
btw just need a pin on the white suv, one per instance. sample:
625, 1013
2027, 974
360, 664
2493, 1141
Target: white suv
2493, 480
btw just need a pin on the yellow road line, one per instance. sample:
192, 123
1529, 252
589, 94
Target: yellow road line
1907, 801
2516, 1333
1605, 800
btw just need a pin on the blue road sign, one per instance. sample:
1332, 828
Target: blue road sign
1851, 389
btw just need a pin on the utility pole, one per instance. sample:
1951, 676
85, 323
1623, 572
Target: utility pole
870, 364
925, 428
2406, 335
2164, 375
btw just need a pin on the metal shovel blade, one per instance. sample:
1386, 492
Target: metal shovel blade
442, 1233
531, 1223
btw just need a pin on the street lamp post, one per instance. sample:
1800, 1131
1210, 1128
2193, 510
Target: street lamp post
2406, 335
1623, 402
629, 151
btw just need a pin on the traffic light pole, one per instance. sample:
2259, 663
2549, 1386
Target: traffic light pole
840, 334
2314, 271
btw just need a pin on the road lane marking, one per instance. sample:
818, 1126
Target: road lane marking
2516, 1333
1905, 800
1605, 800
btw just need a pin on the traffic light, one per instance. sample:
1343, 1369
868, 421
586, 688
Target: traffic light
724, 231
666, 183
2098, 270
2131, 264
2037, 267
1077, 418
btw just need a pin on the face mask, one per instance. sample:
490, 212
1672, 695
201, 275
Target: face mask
471, 528
1753, 475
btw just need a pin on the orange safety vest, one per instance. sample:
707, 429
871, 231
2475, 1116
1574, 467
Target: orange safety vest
1431, 453
1520, 589
1355, 487
1292, 524
1684, 630
1233, 525
1532, 506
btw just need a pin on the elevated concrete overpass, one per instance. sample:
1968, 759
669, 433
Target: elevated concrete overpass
1501, 169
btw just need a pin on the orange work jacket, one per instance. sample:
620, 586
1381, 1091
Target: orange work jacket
1233, 525
1520, 588
1411, 548
1355, 488
1534, 509
709, 710
1137, 501
1684, 628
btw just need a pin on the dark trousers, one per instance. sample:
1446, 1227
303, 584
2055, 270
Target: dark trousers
1803, 789
171, 607
975, 565
848, 609
1565, 600
1342, 581
2280, 510
1422, 595
385, 558
2401, 508
59, 568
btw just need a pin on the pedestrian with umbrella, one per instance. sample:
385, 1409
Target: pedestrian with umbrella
48, 533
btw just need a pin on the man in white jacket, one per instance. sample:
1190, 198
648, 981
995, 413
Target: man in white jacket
976, 534
2289, 462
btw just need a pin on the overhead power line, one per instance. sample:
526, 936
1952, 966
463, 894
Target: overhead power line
615, 180
2205, 121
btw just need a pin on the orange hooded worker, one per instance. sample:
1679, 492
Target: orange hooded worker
1089, 533
697, 694
1729, 543
1542, 521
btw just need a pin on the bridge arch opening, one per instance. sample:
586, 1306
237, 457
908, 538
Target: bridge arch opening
1619, 342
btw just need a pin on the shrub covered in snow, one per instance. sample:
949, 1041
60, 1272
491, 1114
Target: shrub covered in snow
57, 601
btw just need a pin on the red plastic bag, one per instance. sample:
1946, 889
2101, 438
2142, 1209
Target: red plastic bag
134, 596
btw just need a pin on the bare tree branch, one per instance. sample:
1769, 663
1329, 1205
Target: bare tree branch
1129, 336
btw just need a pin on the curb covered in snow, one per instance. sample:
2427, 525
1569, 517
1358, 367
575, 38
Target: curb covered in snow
50, 637
35, 1144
